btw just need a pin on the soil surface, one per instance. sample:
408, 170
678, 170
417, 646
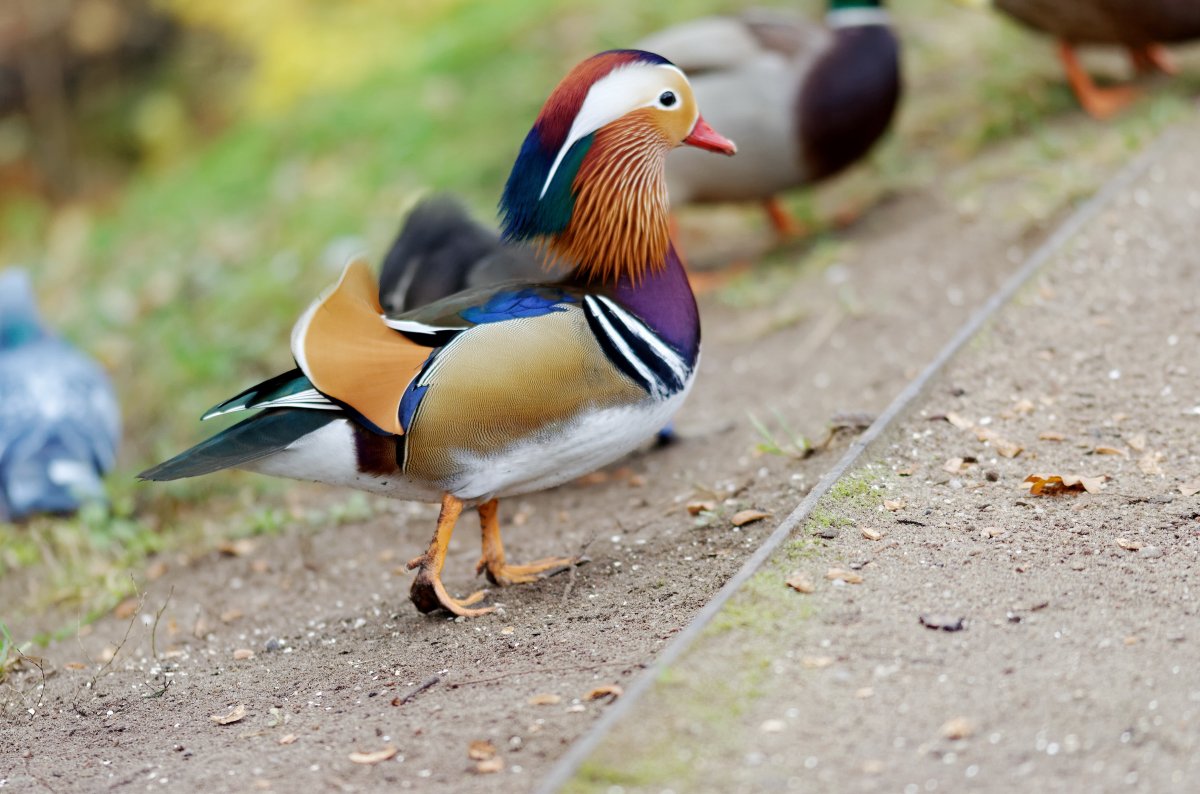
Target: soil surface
962, 632
306, 647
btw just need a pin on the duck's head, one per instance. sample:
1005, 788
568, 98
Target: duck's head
589, 181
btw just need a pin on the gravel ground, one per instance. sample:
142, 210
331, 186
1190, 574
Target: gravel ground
961, 632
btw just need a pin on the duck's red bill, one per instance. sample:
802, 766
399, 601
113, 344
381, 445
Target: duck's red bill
705, 137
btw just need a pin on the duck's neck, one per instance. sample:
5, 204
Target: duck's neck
856, 13
662, 298
618, 223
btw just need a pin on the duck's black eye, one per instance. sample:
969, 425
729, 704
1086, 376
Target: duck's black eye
667, 99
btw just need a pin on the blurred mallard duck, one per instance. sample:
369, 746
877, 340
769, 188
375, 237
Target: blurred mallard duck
803, 100
1142, 26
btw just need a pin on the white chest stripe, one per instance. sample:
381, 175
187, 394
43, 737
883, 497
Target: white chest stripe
657, 386
637, 327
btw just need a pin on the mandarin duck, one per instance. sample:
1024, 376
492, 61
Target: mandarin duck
1141, 26
59, 422
510, 388
440, 250
804, 101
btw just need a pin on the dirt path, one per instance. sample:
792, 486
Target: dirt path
984, 637
340, 656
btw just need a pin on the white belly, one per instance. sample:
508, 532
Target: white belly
328, 455
562, 454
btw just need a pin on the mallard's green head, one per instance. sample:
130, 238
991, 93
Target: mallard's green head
856, 13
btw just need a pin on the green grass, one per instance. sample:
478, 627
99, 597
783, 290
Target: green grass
187, 283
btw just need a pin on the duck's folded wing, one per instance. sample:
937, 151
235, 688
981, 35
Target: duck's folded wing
344, 347
368, 362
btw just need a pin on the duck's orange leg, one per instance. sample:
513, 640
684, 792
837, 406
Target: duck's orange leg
427, 590
782, 221
1100, 103
1153, 57
499, 572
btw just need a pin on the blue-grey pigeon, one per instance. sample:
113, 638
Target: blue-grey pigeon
59, 421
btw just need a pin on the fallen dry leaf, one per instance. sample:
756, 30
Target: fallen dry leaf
957, 728
230, 615
1024, 406
907, 471
236, 548
841, 574
696, 508
490, 766
126, 609
481, 750
288, 738
1004, 447
743, 517
75, 666
894, 504
1190, 488
1130, 545
243, 653
544, 699
962, 423
871, 534
801, 583
236, 715
1052, 435
374, 757
610, 691
1056, 483
1102, 450
953, 465
1137, 442
1149, 463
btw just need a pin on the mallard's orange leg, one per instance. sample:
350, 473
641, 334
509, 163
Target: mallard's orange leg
492, 560
1100, 103
1152, 57
782, 221
427, 590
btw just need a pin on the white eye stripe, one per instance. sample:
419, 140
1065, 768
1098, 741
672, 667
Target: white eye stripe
611, 97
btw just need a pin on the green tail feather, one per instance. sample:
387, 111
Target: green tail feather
250, 440
280, 387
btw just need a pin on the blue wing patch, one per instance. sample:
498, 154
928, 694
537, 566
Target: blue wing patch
516, 305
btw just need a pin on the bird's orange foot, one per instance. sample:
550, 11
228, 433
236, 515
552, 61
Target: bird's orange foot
502, 574
1099, 103
1104, 103
782, 221
429, 594
1151, 58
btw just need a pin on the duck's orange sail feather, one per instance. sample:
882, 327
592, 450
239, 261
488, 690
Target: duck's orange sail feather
343, 346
